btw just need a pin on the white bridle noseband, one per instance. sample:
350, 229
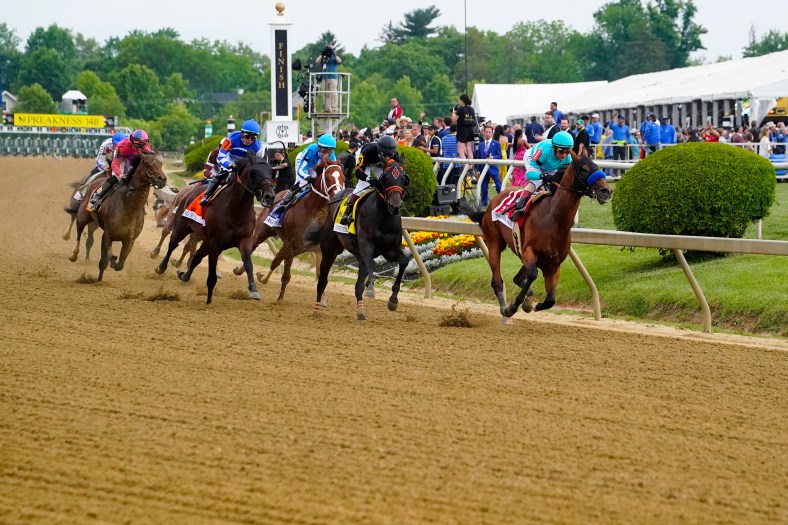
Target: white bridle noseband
337, 171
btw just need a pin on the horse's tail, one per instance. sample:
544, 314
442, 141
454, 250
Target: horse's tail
473, 211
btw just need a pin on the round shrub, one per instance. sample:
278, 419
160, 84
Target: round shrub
194, 159
700, 189
423, 184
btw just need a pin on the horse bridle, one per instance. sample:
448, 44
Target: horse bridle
326, 187
588, 190
148, 181
257, 194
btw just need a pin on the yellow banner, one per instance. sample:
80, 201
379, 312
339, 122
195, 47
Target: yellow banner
58, 121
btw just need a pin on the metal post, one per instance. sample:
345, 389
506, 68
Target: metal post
419, 263
704, 305
589, 281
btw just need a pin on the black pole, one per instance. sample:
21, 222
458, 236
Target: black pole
465, 6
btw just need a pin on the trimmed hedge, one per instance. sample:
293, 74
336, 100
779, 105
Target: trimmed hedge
423, 183
700, 189
195, 155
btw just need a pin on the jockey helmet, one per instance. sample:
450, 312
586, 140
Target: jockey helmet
138, 137
327, 141
117, 137
387, 146
563, 139
251, 126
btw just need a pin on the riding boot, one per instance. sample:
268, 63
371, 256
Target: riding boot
347, 216
287, 199
98, 197
213, 183
519, 207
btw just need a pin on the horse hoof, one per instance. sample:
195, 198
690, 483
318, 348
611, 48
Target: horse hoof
154, 253
238, 270
261, 278
182, 276
323, 303
159, 270
506, 321
528, 306
73, 258
254, 295
177, 264
66, 236
361, 317
392, 305
369, 293
508, 311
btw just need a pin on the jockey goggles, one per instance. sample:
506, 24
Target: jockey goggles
565, 151
247, 135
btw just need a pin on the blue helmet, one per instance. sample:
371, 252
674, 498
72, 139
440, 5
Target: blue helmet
327, 141
251, 126
117, 137
563, 139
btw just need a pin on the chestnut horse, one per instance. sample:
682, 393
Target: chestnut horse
378, 232
546, 233
310, 211
229, 222
182, 200
122, 213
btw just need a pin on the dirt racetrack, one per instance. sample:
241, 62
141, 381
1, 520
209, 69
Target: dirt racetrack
117, 409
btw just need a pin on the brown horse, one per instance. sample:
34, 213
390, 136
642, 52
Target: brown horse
309, 211
82, 188
182, 200
546, 233
122, 214
229, 223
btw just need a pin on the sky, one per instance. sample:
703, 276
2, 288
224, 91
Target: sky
357, 23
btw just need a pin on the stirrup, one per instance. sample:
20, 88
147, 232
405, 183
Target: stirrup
346, 218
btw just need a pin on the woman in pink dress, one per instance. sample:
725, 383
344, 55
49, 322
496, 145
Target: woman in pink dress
520, 147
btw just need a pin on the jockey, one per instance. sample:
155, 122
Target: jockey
126, 158
234, 145
103, 159
542, 161
305, 162
372, 160
212, 166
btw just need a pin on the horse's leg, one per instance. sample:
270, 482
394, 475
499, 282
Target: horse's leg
366, 267
117, 263
75, 252
330, 250
179, 232
106, 245
403, 263
550, 282
67, 234
89, 241
495, 246
245, 247
188, 248
285, 276
164, 233
213, 258
194, 262
369, 288
318, 259
524, 278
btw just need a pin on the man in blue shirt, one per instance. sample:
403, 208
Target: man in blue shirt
667, 133
595, 133
620, 138
650, 135
329, 59
557, 113
533, 130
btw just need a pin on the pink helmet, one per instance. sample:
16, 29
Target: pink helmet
138, 136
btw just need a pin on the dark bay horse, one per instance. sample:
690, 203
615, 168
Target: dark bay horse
182, 200
378, 232
122, 214
311, 211
229, 223
546, 233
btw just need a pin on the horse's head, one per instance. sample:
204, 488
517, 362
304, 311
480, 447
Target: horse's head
149, 170
330, 180
585, 177
394, 184
254, 175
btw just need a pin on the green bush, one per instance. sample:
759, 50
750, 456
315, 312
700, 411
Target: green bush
700, 189
423, 183
194, 157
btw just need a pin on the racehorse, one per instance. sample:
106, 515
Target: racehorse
122, 214
545, 233
182, 200
378, 232
229, 222
310, 211
73, 204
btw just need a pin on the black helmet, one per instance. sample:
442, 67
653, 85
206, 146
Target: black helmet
387, 146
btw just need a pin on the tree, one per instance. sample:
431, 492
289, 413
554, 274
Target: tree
102, 98
48, 68
439, 96
416, 25
771, 42
369, 105
10, 57
34, 99
55, 38
671, 22
408, 97
174, 88
177, 126
411, 59
139, 89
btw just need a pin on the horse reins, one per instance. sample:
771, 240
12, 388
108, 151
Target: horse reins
325, 184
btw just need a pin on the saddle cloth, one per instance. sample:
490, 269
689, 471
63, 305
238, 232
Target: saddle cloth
274, 219
196, 212
351, 229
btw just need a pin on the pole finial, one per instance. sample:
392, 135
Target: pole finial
280, 8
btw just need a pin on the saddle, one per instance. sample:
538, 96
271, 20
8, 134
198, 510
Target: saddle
195, 211
351, 229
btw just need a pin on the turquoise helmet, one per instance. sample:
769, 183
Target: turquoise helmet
327, 141
563, 139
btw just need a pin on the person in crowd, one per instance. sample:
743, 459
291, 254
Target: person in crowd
396, 110
306, 161
500, 136
596, 133
621, 136
550, 127
564, 125
490, 149
432, 144
582, 145
405, 137
520, 147
764, 144
709, 134
650, 135
348, 160
330, 61
542, 162
236, 144
449, 150
533, 131
748, 145
104, 157
738, 136
465, 118
372, 160
557, 113
125, 160
667, 133
779, 136
282, 171
635, 144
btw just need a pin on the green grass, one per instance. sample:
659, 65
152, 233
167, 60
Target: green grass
745, 292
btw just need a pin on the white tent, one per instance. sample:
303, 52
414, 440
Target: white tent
761, 79
495, 101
